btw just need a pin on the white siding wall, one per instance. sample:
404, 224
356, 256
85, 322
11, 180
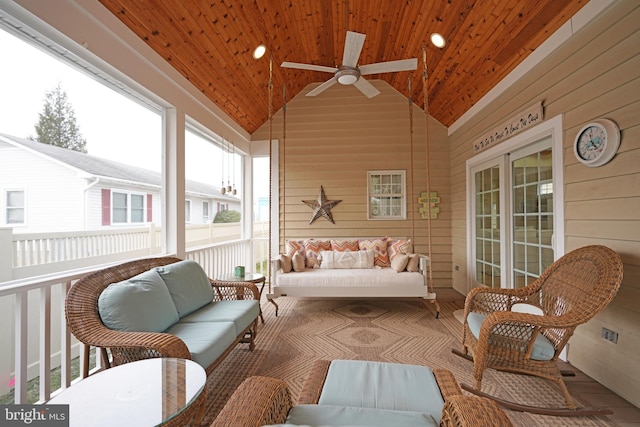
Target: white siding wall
53, 192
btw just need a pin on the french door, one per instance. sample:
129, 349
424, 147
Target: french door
514, 213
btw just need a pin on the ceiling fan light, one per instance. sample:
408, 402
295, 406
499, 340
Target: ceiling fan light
347, 76
438, 40
259, 51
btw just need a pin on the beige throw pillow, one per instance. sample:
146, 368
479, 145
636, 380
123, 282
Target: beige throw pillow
414, 262
399, 262
285, 263
346, 260
297, 262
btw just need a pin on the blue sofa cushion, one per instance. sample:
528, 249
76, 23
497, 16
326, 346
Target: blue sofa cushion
141, 304
380, 385
206, 341
542, 348
242, 313
329, 415
188, 285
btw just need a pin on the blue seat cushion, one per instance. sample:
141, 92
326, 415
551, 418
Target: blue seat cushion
329, 415
242, 313
139, 304
543, 349
188, 285
380, 385
206, 341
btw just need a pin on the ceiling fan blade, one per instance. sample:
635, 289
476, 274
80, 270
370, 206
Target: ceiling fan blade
324, 86
352, 48
366, 88
311, 67
389, 66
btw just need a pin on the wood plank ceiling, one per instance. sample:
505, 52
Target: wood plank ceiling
211, 44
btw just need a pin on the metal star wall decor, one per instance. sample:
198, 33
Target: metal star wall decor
321, 206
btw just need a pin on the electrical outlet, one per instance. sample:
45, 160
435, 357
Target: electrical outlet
609, 335
457, 268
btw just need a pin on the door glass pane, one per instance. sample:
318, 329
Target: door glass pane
487, 196
532, 194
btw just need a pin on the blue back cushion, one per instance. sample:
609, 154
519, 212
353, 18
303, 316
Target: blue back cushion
141, 303
188, 285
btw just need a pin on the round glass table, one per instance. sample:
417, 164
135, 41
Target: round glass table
147, 392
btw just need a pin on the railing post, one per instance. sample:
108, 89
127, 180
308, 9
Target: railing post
152, 238
6, 254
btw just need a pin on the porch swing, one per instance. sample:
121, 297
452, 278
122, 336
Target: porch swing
428, 294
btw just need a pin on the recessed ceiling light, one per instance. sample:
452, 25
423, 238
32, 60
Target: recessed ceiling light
438, 40
259, 51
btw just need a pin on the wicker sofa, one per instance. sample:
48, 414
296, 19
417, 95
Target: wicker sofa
161, 307
262, 401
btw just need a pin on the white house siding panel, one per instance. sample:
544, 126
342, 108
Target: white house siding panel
53, 192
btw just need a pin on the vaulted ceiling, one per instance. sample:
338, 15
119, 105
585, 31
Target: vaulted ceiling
210, 42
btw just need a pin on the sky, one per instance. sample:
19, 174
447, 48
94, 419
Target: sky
114, 127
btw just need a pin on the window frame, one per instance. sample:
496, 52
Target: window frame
187, 211
206, 211
7, 207
388, 196
129, 207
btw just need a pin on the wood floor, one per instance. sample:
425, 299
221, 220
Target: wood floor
584, 387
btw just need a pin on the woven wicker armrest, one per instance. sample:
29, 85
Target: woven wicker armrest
131, 346
472, 411
234, 291
447, 383
258, 401
312, 387
487, 300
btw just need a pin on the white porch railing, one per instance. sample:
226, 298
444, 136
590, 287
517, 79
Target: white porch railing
33, 324
37, 254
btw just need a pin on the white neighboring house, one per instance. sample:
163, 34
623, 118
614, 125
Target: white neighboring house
48, 188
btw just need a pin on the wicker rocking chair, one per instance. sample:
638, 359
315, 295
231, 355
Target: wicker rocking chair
570, 292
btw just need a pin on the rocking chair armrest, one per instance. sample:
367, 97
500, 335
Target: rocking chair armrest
257, 401
535, 320
165, 345
234, 291
487, 300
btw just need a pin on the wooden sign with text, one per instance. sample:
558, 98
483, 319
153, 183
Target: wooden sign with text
521, 121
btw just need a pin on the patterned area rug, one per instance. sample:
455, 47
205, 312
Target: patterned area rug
399, 331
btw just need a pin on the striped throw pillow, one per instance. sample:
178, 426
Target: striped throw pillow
312, 249
379, 248
344, 245
397, 247
295, 246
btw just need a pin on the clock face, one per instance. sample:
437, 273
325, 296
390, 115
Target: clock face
592, 142
597, 143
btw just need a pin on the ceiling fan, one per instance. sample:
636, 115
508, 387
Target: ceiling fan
349, 73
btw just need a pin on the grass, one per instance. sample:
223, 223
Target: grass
33, 386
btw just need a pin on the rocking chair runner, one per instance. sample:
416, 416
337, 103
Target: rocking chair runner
570, 292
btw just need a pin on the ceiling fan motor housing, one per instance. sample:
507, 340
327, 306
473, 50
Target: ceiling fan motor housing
347, 75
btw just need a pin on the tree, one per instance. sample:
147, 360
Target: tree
227, 216
57, 123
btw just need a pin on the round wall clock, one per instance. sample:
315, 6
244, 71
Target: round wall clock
597, 142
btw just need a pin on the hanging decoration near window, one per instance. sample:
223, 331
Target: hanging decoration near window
223, 189
321, 207
428, 205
